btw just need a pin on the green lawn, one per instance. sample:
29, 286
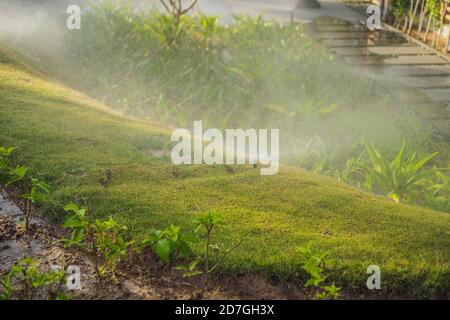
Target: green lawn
72, 139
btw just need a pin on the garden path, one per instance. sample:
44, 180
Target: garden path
384, 54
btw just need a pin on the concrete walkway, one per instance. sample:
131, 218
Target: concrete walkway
280, 10
394, 59
383, 54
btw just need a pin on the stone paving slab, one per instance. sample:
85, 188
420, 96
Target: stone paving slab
386, 50
349, 28
364, 42
432, 110
400, 60
426, 82
417, 71
438, 94
355, 35
405, 95
414, 60
332, 23
443, 125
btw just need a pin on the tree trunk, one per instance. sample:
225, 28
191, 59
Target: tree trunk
386, 9
425, 38
422, 16
413, 15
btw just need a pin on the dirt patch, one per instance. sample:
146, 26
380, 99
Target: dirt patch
140, 277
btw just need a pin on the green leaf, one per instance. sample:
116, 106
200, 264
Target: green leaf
73, 223
162, 249
78, 236
397, 162
394, 197
185, 249
423, 162
71, 207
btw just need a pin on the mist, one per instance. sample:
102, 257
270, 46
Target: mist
345, 111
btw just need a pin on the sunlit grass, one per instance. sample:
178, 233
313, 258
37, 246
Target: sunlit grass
72, 140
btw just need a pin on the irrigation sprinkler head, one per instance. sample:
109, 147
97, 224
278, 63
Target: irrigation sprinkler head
308, 4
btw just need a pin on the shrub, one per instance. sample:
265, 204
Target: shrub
437, 191
396, 178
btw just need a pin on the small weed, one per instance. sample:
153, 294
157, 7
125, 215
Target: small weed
169, 244
314, 264
190, 270
204, 226
107, 241
34, 283
208, 222
5, 283
32, 190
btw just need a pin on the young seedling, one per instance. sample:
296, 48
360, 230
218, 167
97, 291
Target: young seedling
207, 222
5, 163
105, 240
329, 292
37, 191
34, 281
190, 270
111, 244
204, 226
83, 232
314, 265
32, 190
5, 283
169, 244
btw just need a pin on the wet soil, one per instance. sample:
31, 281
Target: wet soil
140, 277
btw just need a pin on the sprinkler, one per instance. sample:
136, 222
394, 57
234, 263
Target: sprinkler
308, 4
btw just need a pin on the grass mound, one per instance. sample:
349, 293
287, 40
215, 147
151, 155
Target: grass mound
72, 140
253, 73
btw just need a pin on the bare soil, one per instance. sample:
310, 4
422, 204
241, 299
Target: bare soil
140, 277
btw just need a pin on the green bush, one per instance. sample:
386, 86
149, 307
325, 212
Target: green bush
251, 73
396, 178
